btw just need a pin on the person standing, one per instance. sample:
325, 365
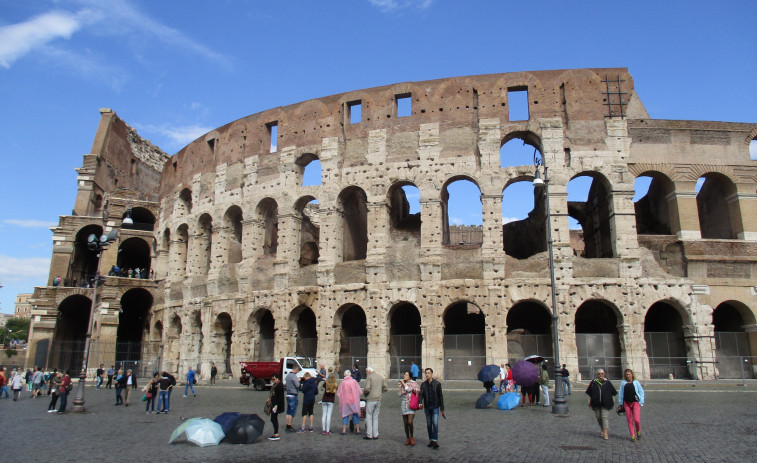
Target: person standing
3, 382
213, 372
119, 386
277, 404
415, 372
600, 392
373, 390
151, 391
190, 382
309, 388
565, 380
631, 398
502, 378
55, 383
99, 379
28, 379
292, 389
165, 384
111, 372
408, 387
65, 387
544, 383
38, 379
349, 401
356, 374
17, 383
321, 376
432, 402
327, 404
130, 382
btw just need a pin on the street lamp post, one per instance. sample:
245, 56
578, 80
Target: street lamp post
95, 244
559, 404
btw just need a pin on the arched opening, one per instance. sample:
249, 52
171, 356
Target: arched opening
134, 258
353, 337
156, 335
204, 245
233, 221
518, 149
184, 204
222, 331
598, 340
262, 328
70, 333
303, 326
172, 356
405, 207
141, 217
268, 213
182, 246
732, 342
666, 349
352, 202
310, 230
753, 150
309, 171
462, 213
651, 204
529, 331
83, 264
464, 340
133, 324
719, 214
593, 210
524, 222
405, 339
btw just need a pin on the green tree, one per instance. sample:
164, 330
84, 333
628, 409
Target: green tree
19, 328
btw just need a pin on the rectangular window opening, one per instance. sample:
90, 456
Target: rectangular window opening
355, 111
517, 98
404, 105
273, 131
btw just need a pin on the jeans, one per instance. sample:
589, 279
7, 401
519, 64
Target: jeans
566, 384
163, 401
98, 382
189, 386
168, 399
355, 419
5, 389
328, 408
150, 402
372, 410
63, 400
432, 423
119, 399
292, 402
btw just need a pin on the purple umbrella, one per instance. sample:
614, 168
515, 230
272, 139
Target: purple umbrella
525, 373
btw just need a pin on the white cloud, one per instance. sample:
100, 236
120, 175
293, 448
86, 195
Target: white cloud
20, 268
396, 5
180, 135
16, 40
30, 223
87, 67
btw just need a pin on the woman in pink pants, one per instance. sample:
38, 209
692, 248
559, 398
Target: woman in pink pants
632, 397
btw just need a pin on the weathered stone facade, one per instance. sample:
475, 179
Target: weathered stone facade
247, 266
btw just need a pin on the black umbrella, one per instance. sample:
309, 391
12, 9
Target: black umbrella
488, 373
485, 400
227, 420
246, 429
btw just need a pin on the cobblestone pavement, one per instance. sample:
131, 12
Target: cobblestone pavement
687, 422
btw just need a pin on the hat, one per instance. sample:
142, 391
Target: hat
347, 373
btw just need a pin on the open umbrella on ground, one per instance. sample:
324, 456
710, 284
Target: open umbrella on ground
534, 358
246, 429
226, 420
525, 373
179, 431
485, 400
508, 401
488, 373
204, 432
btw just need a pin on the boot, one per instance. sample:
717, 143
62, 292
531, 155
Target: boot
412, 441
407, 441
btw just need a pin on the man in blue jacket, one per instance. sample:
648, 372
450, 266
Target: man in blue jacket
190, 382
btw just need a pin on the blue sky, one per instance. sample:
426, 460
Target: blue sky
176, 69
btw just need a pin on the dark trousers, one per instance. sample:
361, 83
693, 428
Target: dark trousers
63, 400
110, 382
275, 422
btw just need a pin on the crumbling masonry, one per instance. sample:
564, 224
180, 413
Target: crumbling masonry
243, 262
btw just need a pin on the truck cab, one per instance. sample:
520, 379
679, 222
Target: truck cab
306, 365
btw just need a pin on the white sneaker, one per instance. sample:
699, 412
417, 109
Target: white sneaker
185, 395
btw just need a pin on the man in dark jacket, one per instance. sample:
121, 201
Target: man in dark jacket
309, 388
432, 402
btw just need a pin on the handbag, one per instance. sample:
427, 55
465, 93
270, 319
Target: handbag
621, 410
268, 407
148, 395
144, 398
415, 400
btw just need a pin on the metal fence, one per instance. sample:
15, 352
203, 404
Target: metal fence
143, 358
464, 355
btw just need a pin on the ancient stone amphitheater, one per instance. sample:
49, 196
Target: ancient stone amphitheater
240, 261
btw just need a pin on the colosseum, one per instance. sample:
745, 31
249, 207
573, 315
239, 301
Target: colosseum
231, 256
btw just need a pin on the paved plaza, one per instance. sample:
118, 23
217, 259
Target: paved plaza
682, 421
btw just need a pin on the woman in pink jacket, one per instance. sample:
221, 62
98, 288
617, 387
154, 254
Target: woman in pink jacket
349, 401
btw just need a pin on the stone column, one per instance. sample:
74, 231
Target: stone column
492, 249
330, 244
431, 237
684, 213
288, 251
378, 240
624, 233
377, 342
742, 208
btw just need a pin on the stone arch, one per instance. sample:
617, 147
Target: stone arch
194, 341
464, 340
232, 221
133, 326
405, 338
156, 334
203, 244
400, 217
665, 343
653, 215
267, 211
457, 235
529, 330
306, 166
182, 250
83, 263
352, 341
303, 327
133, 257
222, 337
70, 332
595, 215
719, 214
142, 218
262, 328
184, 203
735, 340
598, 338
308, 208
353, 205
